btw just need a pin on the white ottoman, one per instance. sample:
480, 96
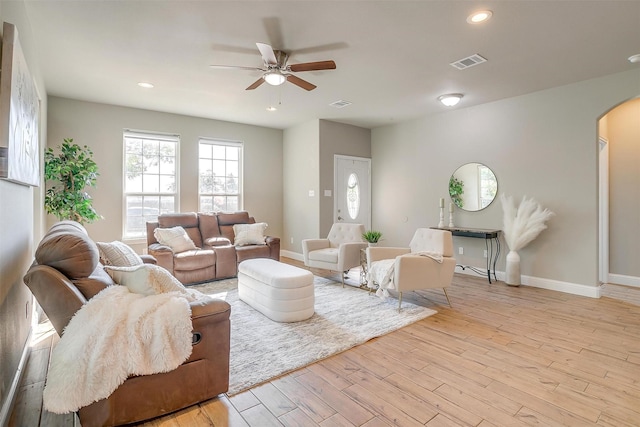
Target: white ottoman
281, 292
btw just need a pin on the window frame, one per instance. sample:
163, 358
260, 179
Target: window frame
155, 136
225, 143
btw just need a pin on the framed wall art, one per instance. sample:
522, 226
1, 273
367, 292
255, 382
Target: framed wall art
19, 114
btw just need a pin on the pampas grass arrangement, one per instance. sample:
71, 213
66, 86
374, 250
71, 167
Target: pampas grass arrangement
521, 226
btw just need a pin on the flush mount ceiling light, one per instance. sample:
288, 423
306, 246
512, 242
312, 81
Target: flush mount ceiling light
634, 59
275, 77
479, 16
271, 108
145, 85
450, 99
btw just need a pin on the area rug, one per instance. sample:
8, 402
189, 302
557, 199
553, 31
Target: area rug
262, 349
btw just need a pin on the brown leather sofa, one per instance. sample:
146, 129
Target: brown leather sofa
67, 273
212, 233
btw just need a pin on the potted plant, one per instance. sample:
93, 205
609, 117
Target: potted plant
68, 173
372, 237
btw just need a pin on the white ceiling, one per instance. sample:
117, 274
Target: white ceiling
392, 56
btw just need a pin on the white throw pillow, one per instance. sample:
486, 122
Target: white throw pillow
146, 279
176, 238
118, 254
249, 234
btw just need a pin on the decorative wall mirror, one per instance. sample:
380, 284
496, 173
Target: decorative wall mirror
473, 186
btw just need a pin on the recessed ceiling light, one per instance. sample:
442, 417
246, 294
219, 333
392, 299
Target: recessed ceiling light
271, 108
145, 85
634, 59
479, 16
450, 99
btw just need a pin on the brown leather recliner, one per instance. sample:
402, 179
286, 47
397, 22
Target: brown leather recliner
67, 273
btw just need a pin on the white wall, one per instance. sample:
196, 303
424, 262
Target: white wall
301, 175
543, 145
100, 127
20, 219
337, 138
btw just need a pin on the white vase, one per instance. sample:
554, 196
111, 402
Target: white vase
513, 269
373, 244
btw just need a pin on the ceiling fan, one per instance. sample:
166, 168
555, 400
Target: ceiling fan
276, 71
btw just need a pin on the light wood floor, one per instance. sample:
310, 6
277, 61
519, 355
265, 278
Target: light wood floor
502, 356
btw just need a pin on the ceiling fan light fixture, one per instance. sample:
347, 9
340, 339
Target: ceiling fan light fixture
450, 99
275, 78
146, 85
479, 16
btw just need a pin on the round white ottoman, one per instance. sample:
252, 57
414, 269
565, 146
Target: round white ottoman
281, 292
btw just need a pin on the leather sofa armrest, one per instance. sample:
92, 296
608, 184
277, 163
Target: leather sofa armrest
148, 259
274, 247
211, 329
163, 255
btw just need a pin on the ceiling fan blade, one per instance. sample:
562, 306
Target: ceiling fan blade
300, 83
256, 84
236, 67
313, 66
268, 55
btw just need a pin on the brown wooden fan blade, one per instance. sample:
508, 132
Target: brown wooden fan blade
313, 66
256, 84
299, 82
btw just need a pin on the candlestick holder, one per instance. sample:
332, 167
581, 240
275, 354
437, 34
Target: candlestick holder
451, 219
441, 223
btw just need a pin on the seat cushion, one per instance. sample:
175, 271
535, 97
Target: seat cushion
329, 255
194, 260
275, 274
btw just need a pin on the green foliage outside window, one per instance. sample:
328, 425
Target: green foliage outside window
456, 190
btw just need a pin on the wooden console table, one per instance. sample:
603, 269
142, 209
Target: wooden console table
490, 240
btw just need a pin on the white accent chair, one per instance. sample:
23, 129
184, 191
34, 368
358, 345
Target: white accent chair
340, 251
413, 270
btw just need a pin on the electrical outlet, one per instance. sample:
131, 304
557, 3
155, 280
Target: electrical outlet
485, 253
460, 250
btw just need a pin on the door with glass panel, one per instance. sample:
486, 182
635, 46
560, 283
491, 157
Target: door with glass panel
352, 190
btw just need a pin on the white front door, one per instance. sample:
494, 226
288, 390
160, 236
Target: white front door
352, 190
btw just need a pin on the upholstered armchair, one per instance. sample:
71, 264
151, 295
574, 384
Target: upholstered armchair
427, 263
340, 251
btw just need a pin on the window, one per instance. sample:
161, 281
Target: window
150, 179
220, 172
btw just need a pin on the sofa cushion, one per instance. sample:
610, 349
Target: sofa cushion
146, 279
208, 226
68, 250
228, 220
249, 234
175, 237
118, 254
194, 260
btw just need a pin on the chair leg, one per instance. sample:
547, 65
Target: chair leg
399, 301
447, 295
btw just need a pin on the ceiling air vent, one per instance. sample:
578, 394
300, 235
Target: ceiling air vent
340, 104
469, 61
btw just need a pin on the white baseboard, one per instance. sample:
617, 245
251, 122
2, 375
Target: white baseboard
552, 285
621, 279
7, 406
293, 255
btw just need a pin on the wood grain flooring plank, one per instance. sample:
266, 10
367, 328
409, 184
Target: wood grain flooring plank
259, 416
304, 398
297, 418
273, 399
222, 412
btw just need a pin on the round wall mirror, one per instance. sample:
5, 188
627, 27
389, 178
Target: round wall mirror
473, 187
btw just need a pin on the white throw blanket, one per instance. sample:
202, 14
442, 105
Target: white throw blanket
382, 272
115, 335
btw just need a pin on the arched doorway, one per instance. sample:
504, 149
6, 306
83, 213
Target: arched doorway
619, 194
